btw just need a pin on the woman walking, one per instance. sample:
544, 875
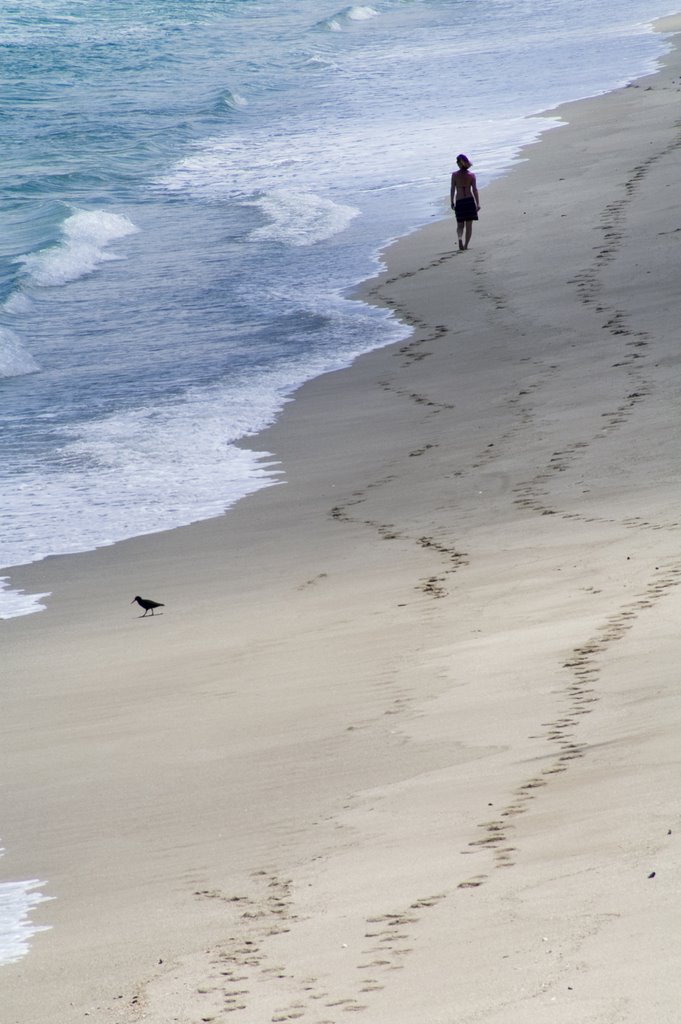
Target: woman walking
464, 199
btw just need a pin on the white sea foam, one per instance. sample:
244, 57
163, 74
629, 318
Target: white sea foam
14, 359
17, 900
301, 218
136, 473
252, 171
360, 13
87, 233
245, 166
14, 603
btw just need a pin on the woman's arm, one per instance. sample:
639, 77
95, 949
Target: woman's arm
474, 190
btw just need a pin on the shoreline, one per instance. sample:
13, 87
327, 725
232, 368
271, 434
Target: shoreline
15, 602
389, 714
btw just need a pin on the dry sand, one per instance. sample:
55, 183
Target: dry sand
404, 741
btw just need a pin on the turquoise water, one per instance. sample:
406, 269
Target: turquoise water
190, 188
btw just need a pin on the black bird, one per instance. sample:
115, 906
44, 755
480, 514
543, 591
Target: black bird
148, 605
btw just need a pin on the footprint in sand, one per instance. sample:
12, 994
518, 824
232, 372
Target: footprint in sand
295, 1013
472, 883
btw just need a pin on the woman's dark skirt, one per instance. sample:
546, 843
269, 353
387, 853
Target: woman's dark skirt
465, 209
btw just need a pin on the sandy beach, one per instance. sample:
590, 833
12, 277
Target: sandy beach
403, 741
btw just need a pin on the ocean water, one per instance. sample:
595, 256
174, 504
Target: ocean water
17, 900
191, 188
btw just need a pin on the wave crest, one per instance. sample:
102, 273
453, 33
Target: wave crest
87, 233
360, 13
234, 100
354, 13
14, 359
